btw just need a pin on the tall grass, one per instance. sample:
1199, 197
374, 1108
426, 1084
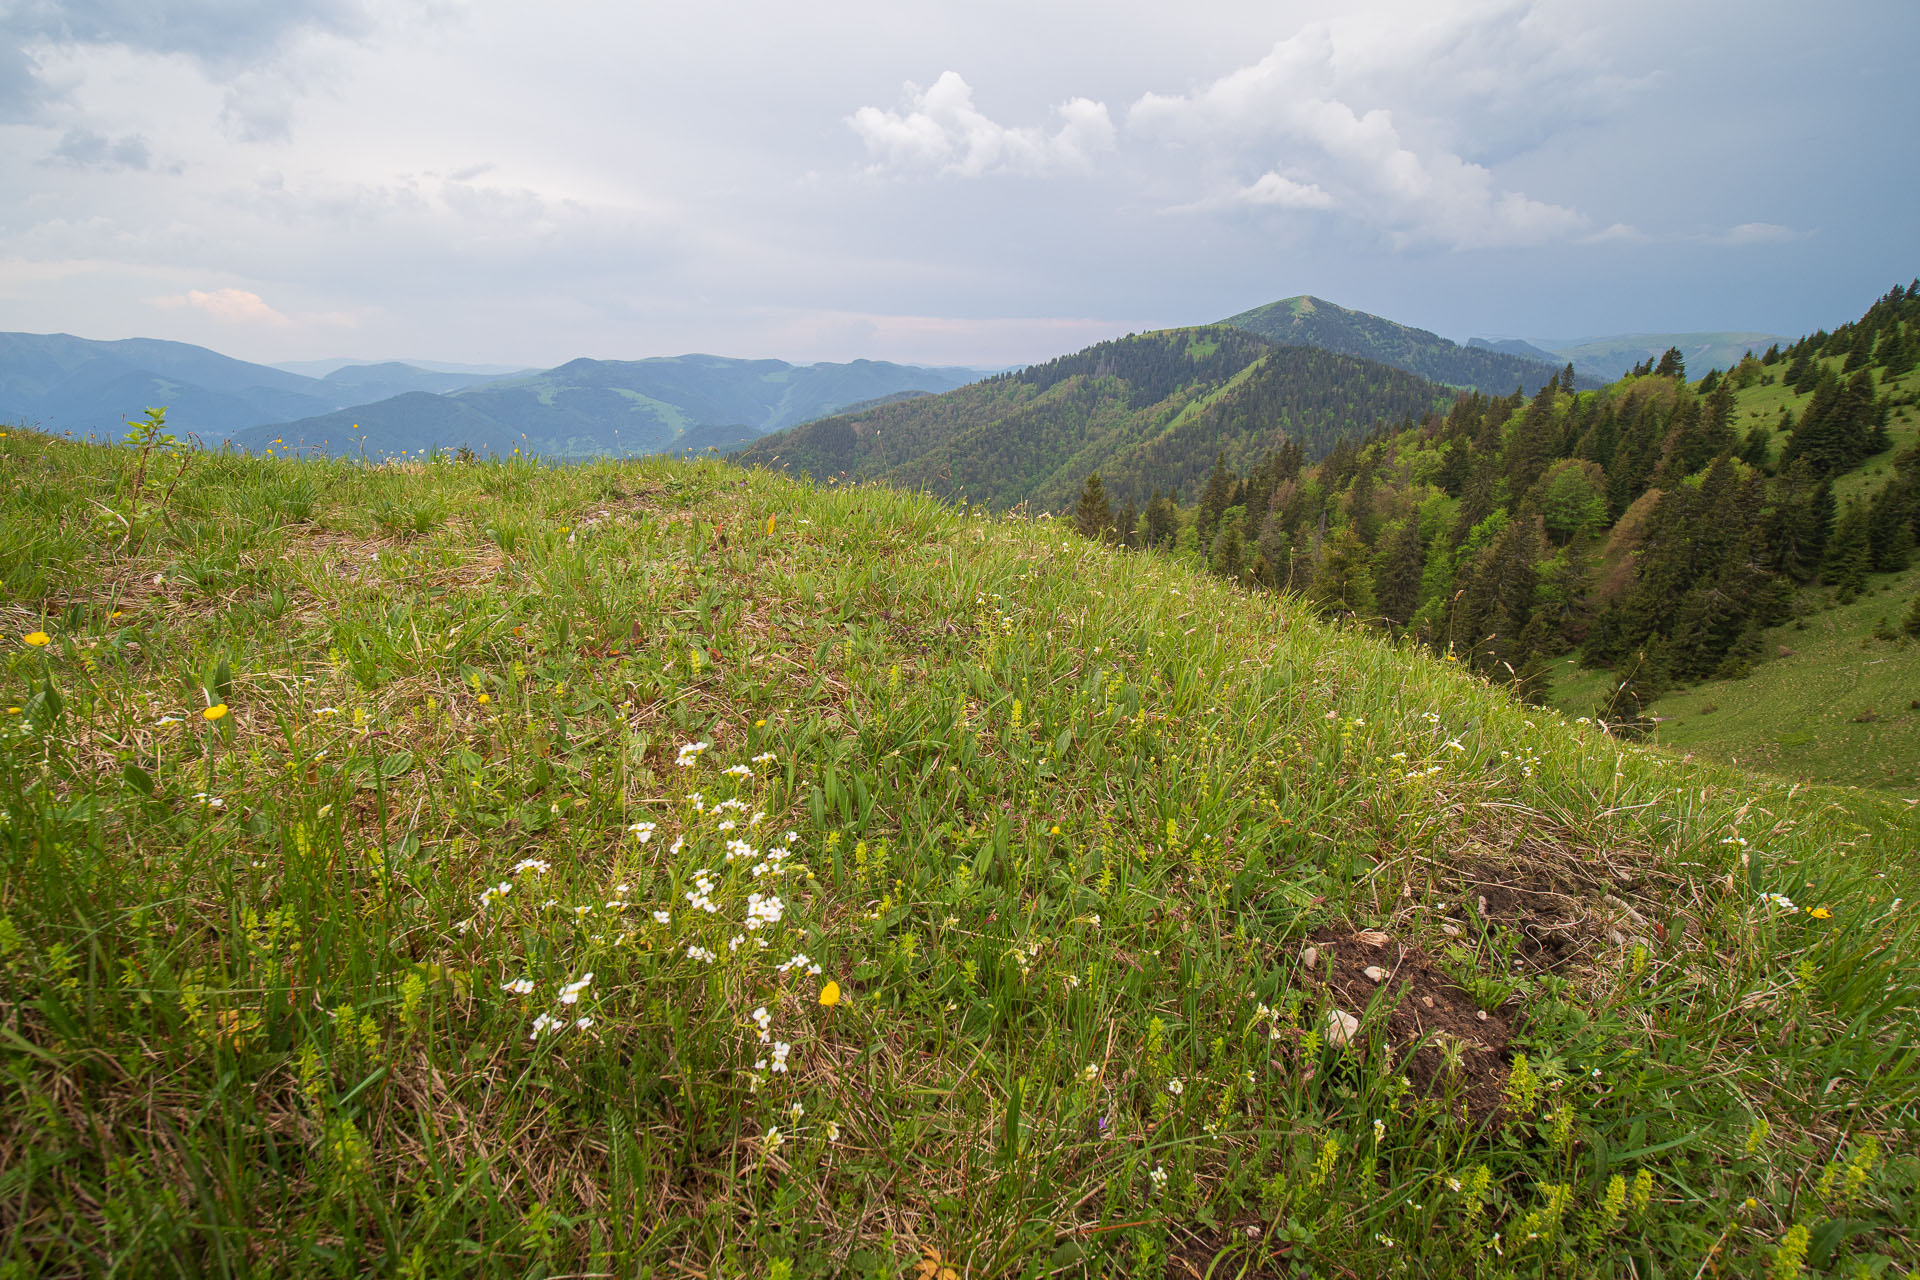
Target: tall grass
496, 925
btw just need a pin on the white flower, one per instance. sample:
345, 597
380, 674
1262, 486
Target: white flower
500, 890
780, 1051
543, 1024
531, 864
700, 953
1159, 1176
642, 830
661, 917
740, 771
765, 757
164, 721
765, 1020
833, 1131
691, 753
570, 993
581, 1024
519, 986
1176, 1086
796, 1111
773, 1139
1090, 1072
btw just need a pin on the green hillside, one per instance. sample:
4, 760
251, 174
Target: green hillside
1146, 411
487, 869
1314, 322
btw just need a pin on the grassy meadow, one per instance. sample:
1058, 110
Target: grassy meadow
663, 869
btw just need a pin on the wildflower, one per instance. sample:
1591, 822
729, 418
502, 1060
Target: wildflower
643, 831
215, 711
164, 721
531, 864
570, 993
1159, 1176
38, 639
780, 1051
1176, 1086
484, 699
1379, 1130
690, 754
1779, 900
765, 757
581, 1024
700, 953
210, 801
739, 771
519, 986
543, 1024
830, 994
661, 917
1090, 1072
765, 1020
1821, 913
772, 1140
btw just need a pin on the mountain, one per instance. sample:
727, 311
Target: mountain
363, 383
321, 368
1614, 357
1315, 322
1151, 409
82, 386
1515, 347
588, 408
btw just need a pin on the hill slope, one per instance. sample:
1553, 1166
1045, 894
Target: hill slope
587, 408
1314, 322
653, 867
1149, 410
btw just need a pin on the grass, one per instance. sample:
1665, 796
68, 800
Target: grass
365, 975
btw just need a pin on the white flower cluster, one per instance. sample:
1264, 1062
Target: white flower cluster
701, 895
643, 831
1779, 900
500, 890
691, 753
763, 909
739, 770
799, 960
519, 986
570, 994
531, 864
700, 953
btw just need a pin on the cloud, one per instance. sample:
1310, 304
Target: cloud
233, 306
1748, 233
940, 130
1314, 100
85, 149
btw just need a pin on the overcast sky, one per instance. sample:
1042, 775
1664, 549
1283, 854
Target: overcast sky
977, 182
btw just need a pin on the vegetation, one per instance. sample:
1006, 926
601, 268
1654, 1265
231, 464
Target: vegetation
1146, 411
1656, 529
488, 869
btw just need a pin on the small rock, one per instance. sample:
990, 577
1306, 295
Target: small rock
1427, 1001
1372, 937
1310, 957
1480, 1014
1342, 1027
1451, 930
1375, 974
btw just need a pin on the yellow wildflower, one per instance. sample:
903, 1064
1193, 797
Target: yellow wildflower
38, 639
215, 711
830, 994
1821, 913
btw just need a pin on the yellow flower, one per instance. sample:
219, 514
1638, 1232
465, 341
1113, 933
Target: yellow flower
1821, 913
759, 724
215, 711
13, 711
485, 699
830, 994
38, 639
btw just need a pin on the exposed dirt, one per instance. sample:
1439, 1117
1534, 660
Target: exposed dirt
1448, 1047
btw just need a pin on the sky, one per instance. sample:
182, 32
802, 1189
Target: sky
980, 182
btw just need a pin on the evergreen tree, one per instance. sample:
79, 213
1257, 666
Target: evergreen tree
1672, 364
1911, 625
1397, 579
1128, 525
1895, 354
1214, 499
1849, 555
1343, 578
1229, 547
1890, 528
1162, 520
1092, 517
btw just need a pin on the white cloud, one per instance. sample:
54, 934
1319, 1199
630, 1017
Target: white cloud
233, 306
1757, 233
941, 130
1317, 100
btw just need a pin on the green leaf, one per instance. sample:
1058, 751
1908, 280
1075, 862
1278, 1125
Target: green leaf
222, 689
138, 779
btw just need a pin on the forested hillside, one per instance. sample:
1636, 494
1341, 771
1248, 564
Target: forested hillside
1150, 410
1655, 528
1315, 322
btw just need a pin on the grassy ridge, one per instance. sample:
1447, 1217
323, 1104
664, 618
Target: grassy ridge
286, 991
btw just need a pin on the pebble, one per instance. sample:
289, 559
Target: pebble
1342, 1027
1375, 974
1451, 930
1310, 957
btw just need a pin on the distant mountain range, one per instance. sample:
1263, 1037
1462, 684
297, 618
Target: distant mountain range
1608, 359
582, 409
1152, 409
591, 408
1315, 322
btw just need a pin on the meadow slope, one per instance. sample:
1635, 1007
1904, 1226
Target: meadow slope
659, 868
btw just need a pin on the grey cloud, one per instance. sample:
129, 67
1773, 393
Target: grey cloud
85, 149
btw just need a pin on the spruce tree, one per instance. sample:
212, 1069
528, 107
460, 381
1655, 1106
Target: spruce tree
1214, 498
1849, 555
1912, 623
1672, 364
1092, 517
1397, 580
